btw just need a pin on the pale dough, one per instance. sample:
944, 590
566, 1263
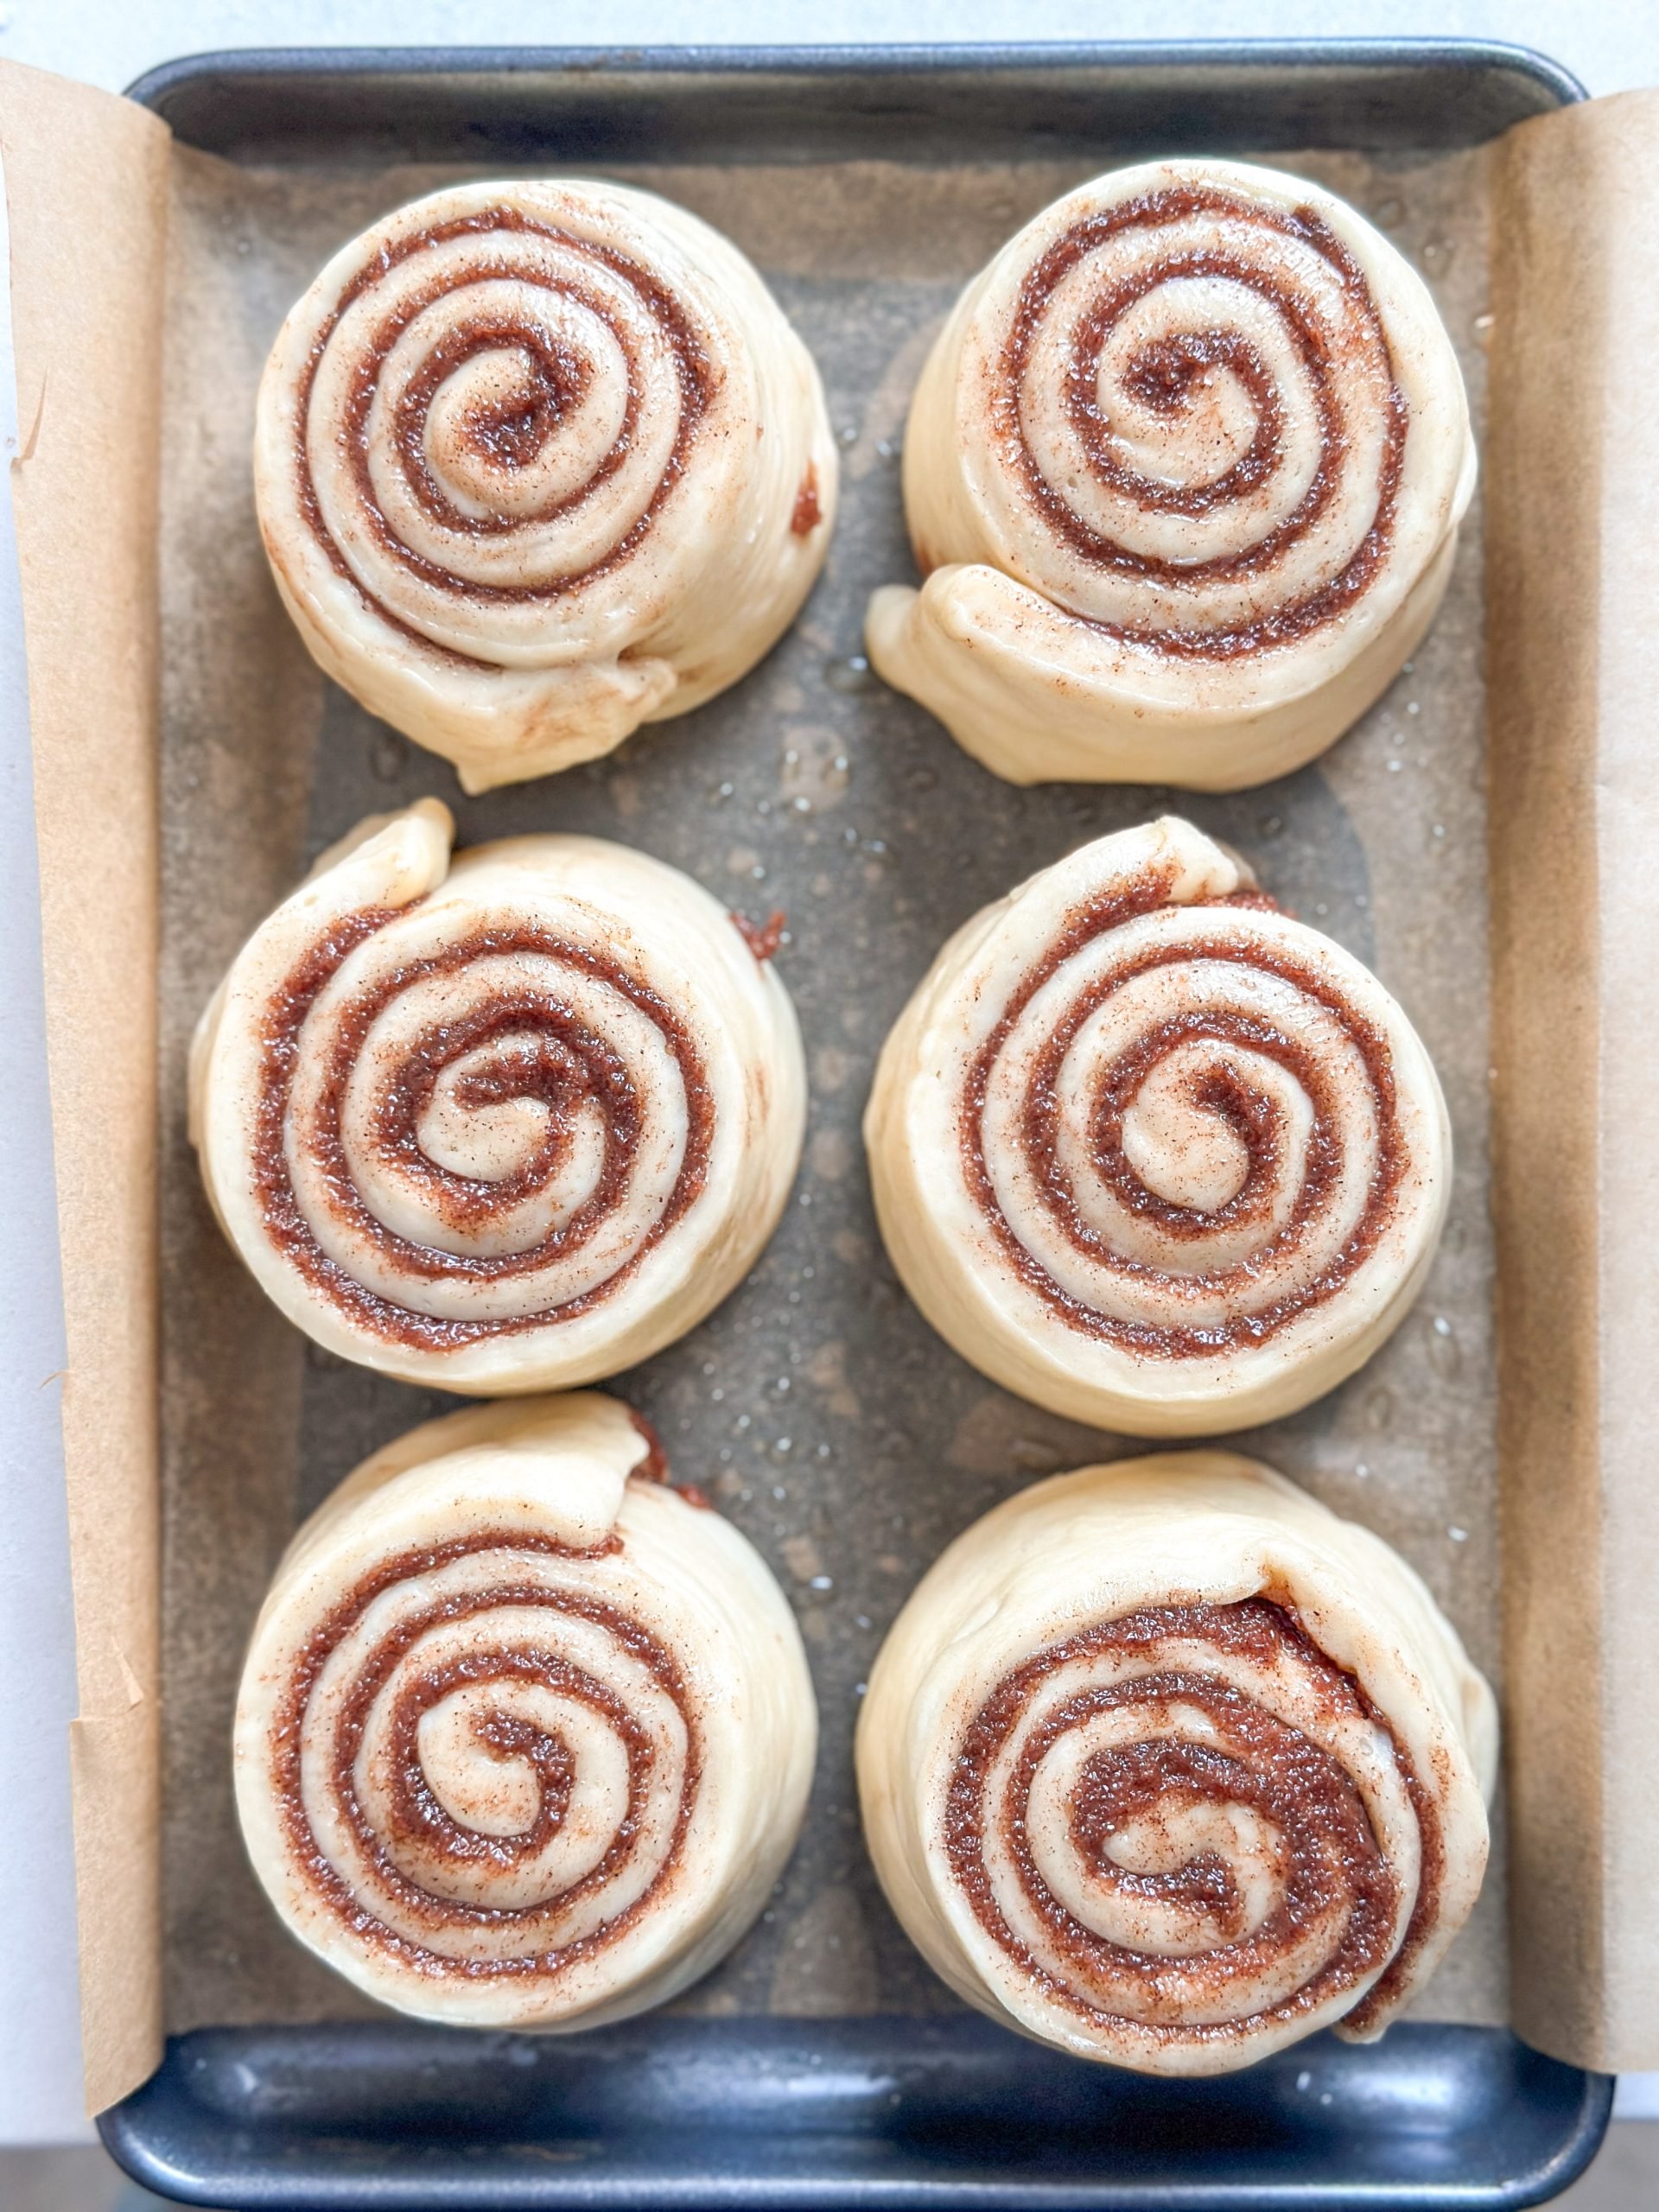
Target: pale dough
523, 1737
1183, 473
1156, 1160
1165, 1765
505, 1122
539, 462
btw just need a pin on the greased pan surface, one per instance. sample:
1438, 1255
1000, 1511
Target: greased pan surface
821, 2064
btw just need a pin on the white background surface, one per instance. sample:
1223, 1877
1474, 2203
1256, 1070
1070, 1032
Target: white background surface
1609, 44
40, 2027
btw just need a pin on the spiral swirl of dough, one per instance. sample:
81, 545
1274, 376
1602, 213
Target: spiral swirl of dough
1173, 1767
505, 1124
1152, 1153
537, 463
1184, 472
524, 1739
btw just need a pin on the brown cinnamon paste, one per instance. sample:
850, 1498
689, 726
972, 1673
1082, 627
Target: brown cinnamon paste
1333, 1868
418, 1827
763, 938
653, 1468
808, 512
1164, 375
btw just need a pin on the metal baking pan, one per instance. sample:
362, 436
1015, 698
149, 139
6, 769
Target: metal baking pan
946, 2111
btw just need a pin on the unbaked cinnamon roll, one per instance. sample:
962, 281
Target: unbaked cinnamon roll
506, 1123
524, 1737
537, 463
1166, 1766
1184, 474
1152, 1153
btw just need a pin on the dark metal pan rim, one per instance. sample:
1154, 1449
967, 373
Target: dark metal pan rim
1140, 56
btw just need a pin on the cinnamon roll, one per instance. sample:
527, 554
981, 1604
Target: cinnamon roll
537, 463
1152, 1153
1184, 474
524, 1737
501, 1123
1165, 1764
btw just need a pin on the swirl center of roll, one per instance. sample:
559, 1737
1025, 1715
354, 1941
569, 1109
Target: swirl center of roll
518, 423
1197, 1131
1182, 1135
1187, 419
1171, 1848
468, 1131
1195, 402
494, 415
481, 1767
1177, 1818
